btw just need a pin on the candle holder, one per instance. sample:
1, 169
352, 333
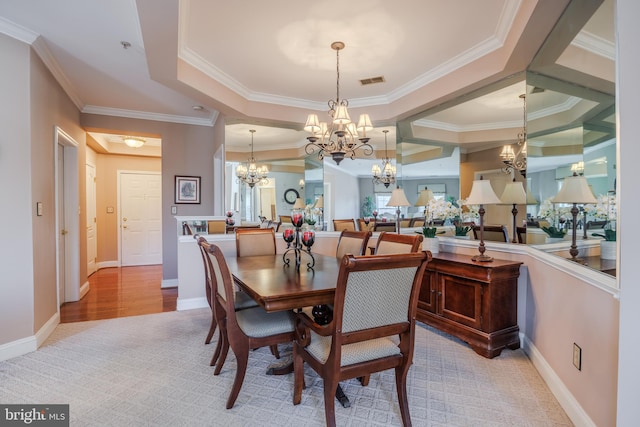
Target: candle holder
298, 242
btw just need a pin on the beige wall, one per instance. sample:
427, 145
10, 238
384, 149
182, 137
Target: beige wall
107, 167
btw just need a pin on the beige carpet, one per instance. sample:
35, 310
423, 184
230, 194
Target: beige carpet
153, 370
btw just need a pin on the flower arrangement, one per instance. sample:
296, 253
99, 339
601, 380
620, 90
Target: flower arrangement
430, 232
310, 214
468, 213
461, 230
557, 218
441, 209
604, 209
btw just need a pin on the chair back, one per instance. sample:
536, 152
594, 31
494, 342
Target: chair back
376, 296
186, 229
493, 233
384, 226
365, 227
521, 232
352, 242
595, 224
285, 219
222, 281
405, 222
417, 222
392, 243
203, 244
217, 226
344, 224
255, 241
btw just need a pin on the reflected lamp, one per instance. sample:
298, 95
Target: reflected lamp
482, 194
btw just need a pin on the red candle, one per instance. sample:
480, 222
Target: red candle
297, 219
288, 234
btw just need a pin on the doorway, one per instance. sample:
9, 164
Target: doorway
140, 218
67, 221
92, 245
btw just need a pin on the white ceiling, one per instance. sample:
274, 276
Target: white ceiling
270, 63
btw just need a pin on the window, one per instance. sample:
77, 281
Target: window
381, 200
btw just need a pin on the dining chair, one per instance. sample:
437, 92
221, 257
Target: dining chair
494, 233
255, 241
393, 243
241, 299
417, 222
521, 232
186, 229
405, 222
363, 226
372, 329
389, 226
245, 329
344, 224
285, 219
352, 242
217, 226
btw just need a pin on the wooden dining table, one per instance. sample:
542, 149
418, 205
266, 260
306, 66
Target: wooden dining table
278, 287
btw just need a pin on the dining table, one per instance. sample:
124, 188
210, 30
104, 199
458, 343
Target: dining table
277, 286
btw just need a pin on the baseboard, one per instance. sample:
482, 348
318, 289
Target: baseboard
84, 289
107, 264
570, 405
169, 283
18, 348
191, 303
46, 330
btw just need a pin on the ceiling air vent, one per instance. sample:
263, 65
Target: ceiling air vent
372, 80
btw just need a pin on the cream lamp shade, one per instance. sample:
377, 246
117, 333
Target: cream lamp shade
299, 204
575, 189
398, 198
514, 194
530, 199
482, 194
320, 202
425, 196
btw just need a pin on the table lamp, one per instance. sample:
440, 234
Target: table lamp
425, 196
398, 198
320, 205
514, 194
482, 194
575, 189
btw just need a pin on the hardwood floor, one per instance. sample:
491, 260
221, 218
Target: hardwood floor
120, 292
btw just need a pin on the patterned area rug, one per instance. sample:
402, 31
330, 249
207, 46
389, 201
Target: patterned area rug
153, 370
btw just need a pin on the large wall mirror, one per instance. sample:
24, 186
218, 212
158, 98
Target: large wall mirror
567, 113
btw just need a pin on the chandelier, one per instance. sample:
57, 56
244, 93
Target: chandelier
340, 138
517, 160
250, 173
386, 175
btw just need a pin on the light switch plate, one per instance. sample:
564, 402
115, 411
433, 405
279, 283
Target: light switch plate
577, 356
39, 209
174, 210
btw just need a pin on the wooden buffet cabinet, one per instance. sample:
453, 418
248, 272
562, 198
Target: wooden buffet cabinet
473, 301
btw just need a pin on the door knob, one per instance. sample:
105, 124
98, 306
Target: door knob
124, 219
63, 232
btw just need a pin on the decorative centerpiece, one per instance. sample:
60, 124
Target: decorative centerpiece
557, 220
298, 242
430, 242
605, 209
461, 231
229, 220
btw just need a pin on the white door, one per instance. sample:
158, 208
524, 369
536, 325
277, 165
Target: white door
92, 245
141, 218
61, 226
267, 200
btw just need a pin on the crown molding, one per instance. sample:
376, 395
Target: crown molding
143, 115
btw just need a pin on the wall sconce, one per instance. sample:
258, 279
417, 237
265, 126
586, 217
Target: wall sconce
301, 184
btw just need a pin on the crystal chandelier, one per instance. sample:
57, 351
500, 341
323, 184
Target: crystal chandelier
517, 160
250, 173
386, 175
340, 138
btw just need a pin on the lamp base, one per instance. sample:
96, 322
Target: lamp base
482, 258
578, 260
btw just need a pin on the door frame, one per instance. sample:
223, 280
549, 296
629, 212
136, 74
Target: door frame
71, 196
119, 174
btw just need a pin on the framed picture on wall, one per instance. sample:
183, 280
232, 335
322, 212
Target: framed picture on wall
187, 189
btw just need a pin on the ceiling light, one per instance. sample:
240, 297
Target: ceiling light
133, 141
250, 173
386, 175
517, 161
340, 138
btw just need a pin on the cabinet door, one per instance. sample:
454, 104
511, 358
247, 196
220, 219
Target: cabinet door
461, 300
427, 299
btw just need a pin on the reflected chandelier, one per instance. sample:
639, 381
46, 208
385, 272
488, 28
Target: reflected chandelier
340, 138
250, 173
386, 175
517, 160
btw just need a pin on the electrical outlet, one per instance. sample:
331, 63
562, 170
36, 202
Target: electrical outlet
577, 356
